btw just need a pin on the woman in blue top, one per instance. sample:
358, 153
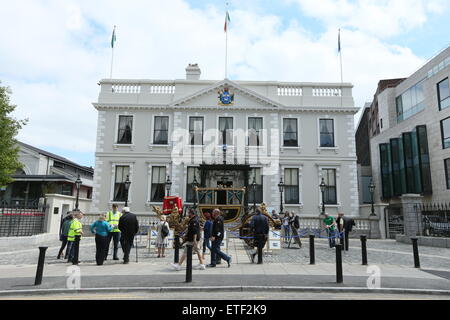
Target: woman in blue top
207, 231
101, 228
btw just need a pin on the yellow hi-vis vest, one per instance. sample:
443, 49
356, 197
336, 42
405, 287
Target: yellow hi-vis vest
113, 220
75, 230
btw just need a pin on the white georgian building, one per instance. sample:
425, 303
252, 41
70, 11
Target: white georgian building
151, 129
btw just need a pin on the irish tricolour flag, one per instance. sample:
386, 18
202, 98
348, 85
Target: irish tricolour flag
113, 38
227, 21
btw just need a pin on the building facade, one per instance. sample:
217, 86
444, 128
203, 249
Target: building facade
226, 133
44, 173
410, 152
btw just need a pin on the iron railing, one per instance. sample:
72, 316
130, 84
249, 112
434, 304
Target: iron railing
436, 219
21, 221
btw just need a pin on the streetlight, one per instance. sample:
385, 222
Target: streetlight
254, 194
322, 189
168, 185
194, 187
78, 183
224, 149
281, 188
372, 190
127, 187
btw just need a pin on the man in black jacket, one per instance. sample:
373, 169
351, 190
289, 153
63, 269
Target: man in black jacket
192, 237
216, 238
129, 227
345, 226
260, 228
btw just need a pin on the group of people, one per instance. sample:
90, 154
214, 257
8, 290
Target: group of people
338, 228
121, 227
213, 234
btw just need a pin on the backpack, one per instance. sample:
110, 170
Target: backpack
164, 230
296, 222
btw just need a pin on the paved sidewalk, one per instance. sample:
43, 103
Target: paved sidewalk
152, 272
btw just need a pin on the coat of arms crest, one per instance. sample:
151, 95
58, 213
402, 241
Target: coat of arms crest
225, 97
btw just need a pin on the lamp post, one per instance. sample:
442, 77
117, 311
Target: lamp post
224, 149
372, 190
281, 188
254, 193
194, 187
127, 187
78, 183
168, 185
322, 189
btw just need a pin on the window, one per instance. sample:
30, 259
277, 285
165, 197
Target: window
125, 129
161, 130
120, 194
195, 130
158, 184
255, 126
443, 94
226, 130
410, 102
329, 176
424, 159
445, 130
447, 172
66, 189
290, 133
365, 182
326, 132
386, 173
190, 193
398, 167
255, 173
291, 186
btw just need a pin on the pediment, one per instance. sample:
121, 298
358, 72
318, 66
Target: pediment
243, 97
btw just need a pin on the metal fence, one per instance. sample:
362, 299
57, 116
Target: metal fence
436, 219
20, 222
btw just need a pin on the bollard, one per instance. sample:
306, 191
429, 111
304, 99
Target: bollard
177, 248
416, 253
189, 264
339, 263
312, 257
40, 266
364, 249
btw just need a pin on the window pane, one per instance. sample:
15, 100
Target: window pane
226, 130
290, 132
125, 129
326, 133
161, 130
443, 94
447, 171
446, 133
196, 130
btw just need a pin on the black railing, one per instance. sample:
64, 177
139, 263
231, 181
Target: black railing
436, 219
19, 221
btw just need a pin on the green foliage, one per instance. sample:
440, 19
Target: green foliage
9, 127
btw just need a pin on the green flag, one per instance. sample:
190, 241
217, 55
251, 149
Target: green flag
113, 38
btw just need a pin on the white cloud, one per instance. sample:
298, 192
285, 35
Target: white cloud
380, 18
54, 57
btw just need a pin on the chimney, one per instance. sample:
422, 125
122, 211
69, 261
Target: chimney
193, 72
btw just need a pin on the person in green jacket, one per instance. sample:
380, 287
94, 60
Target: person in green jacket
63, 232
330, 226
74, 236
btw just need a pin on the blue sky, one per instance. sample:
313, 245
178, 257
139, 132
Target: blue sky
53, 58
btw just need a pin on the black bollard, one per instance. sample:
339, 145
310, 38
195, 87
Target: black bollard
364, 249
40, 266
189, 264
339, 263
416, 253
312, 256
177, 249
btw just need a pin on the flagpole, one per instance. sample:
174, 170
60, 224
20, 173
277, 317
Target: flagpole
226, 43
340, 59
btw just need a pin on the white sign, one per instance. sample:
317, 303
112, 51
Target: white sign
274, 234
274, 244
153, 234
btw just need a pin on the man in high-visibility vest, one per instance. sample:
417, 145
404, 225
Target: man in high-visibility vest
112, 217
74, 237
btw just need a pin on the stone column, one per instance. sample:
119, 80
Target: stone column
410, 207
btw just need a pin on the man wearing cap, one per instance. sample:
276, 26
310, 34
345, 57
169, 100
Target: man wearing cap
129, 227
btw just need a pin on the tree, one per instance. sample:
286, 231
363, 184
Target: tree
9, 127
